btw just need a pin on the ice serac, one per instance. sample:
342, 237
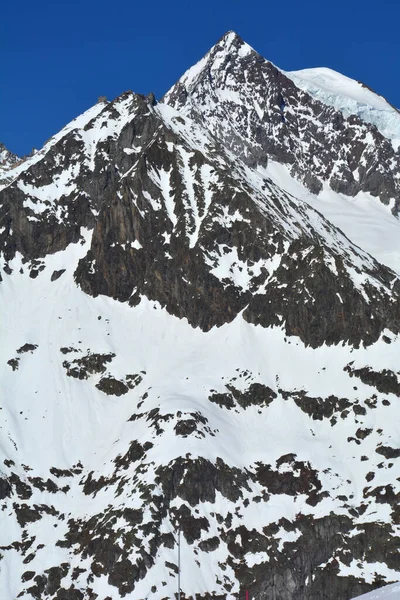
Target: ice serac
260, 114
351, 98
188, 345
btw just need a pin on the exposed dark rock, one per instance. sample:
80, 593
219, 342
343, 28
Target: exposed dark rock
112, 386
54, 577
316, 141
224, 400
23, 490
82, 367
318, 408
25, 514
384, 381
172, 567
230, 244
300, 479
190, 526
5, 489
185, 427
197, 480
135, 453
105, 549
133, 380
14, 363
43, 485
27, 348
363, 433
257, 395
388, 452
91, 485
61, 472
57, 274
65, 350
382, 494
209, 545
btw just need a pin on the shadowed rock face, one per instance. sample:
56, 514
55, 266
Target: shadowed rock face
169, 206
174, 220
44, 209
139, 249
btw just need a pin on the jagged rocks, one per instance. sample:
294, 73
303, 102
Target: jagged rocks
112, 386
5, 489
82, 367
168, 258
256, 395
201, 481
274, 119
385, 381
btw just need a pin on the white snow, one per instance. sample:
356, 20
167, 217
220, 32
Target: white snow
363, 218
351, 98
387, 592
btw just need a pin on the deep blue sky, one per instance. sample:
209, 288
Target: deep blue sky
57, 57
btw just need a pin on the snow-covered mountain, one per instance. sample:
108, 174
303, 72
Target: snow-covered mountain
200, 340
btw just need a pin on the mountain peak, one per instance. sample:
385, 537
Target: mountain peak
205, 357
7, 161
225, 56
230, 38
232, 44
6, 154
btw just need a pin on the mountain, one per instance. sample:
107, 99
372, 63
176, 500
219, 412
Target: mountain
200, 339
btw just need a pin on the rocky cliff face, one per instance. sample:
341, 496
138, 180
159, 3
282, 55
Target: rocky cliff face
198, 348
260, 114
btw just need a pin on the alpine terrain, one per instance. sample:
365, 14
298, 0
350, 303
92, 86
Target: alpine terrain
200, 318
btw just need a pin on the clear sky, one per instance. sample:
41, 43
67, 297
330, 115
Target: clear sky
57, 57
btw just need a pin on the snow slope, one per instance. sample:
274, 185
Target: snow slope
366, 222
181, 367
388, 592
